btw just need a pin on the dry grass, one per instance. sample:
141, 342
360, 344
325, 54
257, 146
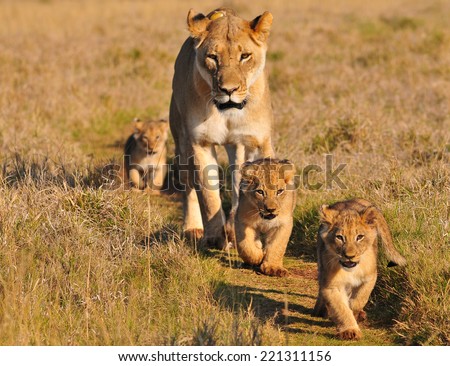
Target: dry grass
366, 81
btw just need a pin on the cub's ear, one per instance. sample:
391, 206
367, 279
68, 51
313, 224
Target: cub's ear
288, 170
327, 214
164, 124
197, 24
138, 125
261, 27
248, 172
370, 215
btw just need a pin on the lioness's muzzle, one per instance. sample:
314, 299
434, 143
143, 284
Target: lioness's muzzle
229, 105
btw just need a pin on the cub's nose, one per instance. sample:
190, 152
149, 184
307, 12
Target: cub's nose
349, 255
269, 209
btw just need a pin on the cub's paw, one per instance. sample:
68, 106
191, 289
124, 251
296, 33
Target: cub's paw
153, 192
270, 270
193, 235
320, 311
350, 334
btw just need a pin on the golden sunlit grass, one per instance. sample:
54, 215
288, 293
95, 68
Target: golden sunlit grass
367, 82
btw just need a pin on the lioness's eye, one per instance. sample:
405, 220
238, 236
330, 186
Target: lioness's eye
280, 191
359, 237
212, 56
260, 191
340, 238
245, 56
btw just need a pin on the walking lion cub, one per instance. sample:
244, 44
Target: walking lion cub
347, 247
264, 220
145, 156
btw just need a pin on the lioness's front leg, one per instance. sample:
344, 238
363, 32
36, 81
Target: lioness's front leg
340, 312
236, 155
275, 246
206, 181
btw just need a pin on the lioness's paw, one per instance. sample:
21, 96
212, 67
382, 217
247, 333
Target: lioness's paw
277, 271
350, 334
217, 242
193, 235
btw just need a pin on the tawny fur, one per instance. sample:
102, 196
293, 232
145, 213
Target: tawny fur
347, 247
223, 61
145, 156
264, 218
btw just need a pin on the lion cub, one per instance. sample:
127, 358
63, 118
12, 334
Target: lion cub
145, 155
264, 220
347, 246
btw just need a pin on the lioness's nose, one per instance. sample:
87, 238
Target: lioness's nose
228, 89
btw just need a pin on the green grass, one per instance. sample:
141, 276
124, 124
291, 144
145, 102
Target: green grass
84, 264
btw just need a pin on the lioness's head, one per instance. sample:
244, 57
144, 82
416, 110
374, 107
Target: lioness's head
265, 183
347, 233
151, 136
230, 53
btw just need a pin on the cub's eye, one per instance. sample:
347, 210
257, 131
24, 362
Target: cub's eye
157, 137
245, 56
340, 238
212, 57
360, 237
280, 191
260, 191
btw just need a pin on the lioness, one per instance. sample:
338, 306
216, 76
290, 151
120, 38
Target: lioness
145, 155
347, 246
264, 220
220, 97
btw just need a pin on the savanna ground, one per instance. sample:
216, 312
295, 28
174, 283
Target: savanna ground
80, 264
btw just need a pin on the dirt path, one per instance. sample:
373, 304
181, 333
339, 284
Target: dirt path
289, 302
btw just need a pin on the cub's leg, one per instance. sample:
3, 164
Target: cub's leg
136, 180
360, 297
275, 247
340, 312
320, 309
157, 179
248, 245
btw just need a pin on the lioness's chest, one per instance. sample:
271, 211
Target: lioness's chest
231, 127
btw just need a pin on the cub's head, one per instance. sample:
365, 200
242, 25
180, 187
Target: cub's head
268, 184
151, 136
348, 233
230, 53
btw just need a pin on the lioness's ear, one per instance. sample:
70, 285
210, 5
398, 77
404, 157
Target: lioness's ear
327, 214
261, 27
370, 214
197, 24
